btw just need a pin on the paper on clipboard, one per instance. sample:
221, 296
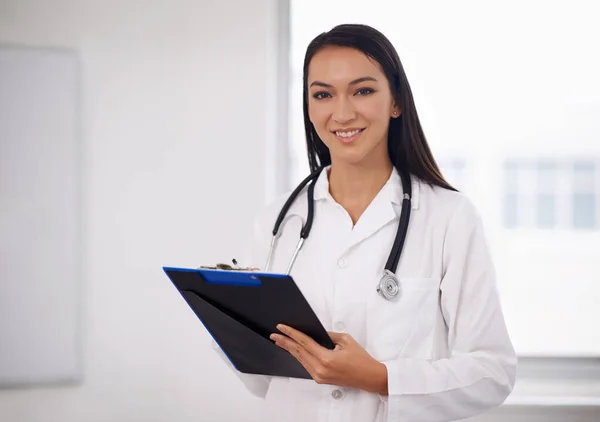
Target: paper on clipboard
227, 267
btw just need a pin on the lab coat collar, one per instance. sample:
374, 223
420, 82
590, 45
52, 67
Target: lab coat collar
392, 190
384, 209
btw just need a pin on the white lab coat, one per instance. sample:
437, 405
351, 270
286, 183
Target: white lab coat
444, 342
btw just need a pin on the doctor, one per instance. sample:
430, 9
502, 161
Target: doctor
425, 341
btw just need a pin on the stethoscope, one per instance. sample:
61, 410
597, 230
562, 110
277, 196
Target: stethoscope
388, 286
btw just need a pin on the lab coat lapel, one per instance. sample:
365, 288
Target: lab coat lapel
377, 215
384, 209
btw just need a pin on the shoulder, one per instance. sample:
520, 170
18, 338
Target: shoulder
460, 228
448, 207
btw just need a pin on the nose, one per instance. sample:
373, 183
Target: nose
343, 111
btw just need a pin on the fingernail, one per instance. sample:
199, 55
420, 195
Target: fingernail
281, 327
273, 337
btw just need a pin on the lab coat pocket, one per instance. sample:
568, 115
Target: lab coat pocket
404, 326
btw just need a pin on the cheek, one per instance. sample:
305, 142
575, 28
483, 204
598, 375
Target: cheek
317, 114
319, 117
375, 112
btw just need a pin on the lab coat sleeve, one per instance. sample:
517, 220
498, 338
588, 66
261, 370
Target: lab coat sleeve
255, 250
479, 373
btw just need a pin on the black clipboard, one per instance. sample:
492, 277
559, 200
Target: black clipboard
241, 309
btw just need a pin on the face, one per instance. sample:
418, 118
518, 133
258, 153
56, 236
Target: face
350, 105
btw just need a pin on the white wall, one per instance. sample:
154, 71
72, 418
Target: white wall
175, 132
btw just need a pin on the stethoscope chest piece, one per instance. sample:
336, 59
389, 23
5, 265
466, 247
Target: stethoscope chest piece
389, 287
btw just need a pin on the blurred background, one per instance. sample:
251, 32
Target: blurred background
140, 134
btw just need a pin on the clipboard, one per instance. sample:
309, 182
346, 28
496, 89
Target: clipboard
241, 309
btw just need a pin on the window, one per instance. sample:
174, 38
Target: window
550, 194
511, 195
521, 141
585, 195
545, 196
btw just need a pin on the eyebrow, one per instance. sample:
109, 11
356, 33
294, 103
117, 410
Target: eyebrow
354, 82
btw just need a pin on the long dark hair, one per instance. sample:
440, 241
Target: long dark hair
407, 146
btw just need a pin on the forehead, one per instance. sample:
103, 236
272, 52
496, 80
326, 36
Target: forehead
340, 65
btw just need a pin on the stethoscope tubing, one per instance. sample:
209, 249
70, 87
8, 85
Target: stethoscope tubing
388, 286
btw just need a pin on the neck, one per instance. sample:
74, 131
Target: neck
354, 186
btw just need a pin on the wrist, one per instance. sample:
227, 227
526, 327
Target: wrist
378, 379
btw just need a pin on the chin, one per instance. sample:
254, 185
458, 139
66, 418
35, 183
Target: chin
349, 158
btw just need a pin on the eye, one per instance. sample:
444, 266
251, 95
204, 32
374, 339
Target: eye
365, 91
321, 95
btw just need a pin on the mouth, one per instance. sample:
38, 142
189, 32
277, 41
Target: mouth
348, 136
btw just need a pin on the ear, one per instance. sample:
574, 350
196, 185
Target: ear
395, 111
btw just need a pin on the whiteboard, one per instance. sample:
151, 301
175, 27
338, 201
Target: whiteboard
40, 217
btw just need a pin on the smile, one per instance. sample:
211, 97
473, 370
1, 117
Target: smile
347, 136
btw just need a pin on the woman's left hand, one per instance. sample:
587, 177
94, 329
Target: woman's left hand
348, 365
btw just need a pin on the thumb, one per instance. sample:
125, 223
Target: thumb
337, 338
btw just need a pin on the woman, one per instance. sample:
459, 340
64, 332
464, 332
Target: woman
440, 351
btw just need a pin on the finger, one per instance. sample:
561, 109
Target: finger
302, 339
297, 351
339, 338
286, 343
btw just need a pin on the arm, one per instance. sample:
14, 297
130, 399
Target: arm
480, 371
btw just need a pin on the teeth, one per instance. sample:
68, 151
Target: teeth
347, 134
